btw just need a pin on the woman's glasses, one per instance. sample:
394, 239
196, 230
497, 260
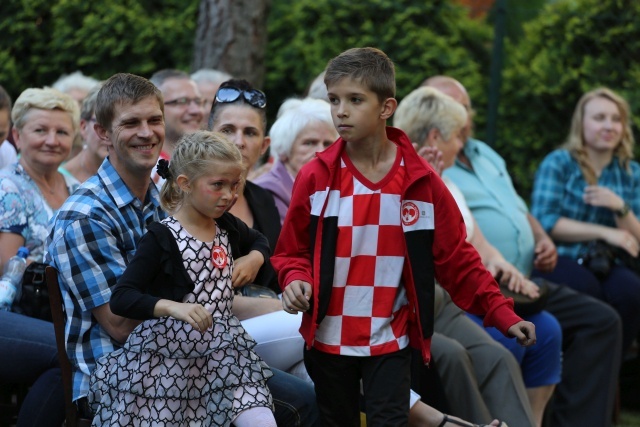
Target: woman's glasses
254, 97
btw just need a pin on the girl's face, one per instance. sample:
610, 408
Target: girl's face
243, 125
315, 137
602, 125
210, 195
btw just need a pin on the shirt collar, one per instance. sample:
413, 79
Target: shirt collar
120, 192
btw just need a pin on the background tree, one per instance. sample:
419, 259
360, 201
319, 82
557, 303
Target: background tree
42, 39
570, 48
232, 36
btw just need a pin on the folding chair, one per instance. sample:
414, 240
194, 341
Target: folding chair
73, 419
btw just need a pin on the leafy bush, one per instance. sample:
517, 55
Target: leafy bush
422, 38
570, 48
46, 38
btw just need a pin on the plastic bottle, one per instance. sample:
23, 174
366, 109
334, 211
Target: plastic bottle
10, 281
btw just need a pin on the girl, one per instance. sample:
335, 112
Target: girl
189, 362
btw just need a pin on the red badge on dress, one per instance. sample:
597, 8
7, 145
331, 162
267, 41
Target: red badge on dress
219, 257
410, 213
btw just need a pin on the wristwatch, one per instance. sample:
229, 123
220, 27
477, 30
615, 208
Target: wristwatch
623, 211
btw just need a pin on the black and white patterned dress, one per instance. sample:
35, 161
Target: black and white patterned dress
169, 374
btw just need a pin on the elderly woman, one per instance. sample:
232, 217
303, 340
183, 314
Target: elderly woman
303, 128
435, 120
94, 150
589, 189
45, 123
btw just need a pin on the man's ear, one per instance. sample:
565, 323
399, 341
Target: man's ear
102, 133
388, 108
265, 144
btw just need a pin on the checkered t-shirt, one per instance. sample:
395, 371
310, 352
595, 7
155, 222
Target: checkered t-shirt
368, 309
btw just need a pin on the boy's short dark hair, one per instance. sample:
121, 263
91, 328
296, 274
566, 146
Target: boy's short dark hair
370, 66
5, 100
123, 88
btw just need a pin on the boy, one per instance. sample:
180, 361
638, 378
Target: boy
369, 228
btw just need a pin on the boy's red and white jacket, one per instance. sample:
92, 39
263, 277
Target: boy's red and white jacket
434, 234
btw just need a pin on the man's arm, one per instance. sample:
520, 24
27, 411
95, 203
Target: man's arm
117, 327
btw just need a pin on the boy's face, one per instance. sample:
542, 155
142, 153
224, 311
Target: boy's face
356, 110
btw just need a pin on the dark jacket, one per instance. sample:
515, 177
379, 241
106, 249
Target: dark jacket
157, 271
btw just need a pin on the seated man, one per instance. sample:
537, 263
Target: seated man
592, 331
96, 231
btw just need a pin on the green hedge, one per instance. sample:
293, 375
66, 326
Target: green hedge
41, 39
422, 38
570, 48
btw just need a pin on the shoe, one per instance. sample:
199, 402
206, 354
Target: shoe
446, 420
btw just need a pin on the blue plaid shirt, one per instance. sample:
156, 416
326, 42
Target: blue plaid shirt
558, 189
93, 238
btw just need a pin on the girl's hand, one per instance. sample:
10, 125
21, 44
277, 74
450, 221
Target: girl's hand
596, 195
246, 269
296, 297
194, 314
623, 239
524, 332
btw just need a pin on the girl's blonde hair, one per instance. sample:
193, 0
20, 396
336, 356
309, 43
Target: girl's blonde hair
575, 141
193, 157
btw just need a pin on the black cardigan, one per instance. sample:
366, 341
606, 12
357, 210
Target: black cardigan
157, 271
266, 220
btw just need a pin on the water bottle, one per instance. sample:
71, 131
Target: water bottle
12, 277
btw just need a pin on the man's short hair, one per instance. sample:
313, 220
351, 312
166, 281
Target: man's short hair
89, 103
159, 77
123, 88
368, 65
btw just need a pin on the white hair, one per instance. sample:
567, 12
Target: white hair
210, 75
293, 117
75, 80
318, 89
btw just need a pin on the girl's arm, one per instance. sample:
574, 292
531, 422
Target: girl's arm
130, 297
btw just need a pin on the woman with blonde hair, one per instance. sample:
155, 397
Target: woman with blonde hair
587, 191
31, 190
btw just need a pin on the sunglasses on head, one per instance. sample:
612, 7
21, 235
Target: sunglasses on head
254, 97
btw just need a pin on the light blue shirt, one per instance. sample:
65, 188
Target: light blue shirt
499, 210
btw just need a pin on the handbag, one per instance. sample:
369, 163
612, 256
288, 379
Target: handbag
34, 296
524, 305
599, 256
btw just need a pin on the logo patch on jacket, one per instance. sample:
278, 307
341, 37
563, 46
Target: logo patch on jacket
416, 215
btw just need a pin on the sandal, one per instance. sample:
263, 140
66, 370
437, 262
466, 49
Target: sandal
446, 420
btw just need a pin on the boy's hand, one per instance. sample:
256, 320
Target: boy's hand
524, 332
296, 297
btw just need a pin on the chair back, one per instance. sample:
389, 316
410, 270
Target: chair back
59, 320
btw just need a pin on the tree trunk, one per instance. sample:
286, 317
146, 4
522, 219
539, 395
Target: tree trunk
232, 36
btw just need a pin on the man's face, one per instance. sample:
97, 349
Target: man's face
208, 92
135, 137
182, 108
459, 93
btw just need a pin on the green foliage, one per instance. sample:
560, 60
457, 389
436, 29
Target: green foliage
47, 38
573, 46
422, 38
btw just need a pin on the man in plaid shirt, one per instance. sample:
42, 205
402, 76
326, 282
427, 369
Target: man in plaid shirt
369, 228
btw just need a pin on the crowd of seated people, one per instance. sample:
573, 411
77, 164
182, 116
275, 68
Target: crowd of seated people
584, 191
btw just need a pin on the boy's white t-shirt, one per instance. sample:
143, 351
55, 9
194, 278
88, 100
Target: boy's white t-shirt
8, 154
